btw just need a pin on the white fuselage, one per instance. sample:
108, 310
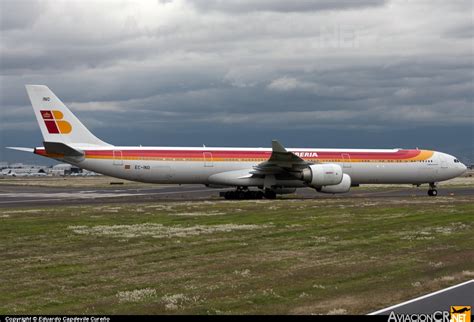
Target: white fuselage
197, 165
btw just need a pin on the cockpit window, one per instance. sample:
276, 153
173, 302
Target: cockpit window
456, 161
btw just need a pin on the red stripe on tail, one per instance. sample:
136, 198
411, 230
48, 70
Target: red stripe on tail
52, 128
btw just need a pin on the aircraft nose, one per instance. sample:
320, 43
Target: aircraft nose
463, 168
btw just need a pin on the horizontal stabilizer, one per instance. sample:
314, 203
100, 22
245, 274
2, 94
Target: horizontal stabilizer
61, 148
21, 149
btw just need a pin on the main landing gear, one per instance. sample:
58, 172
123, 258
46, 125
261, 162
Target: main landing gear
243, 193
432, 191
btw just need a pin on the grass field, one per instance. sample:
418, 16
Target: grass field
342, 256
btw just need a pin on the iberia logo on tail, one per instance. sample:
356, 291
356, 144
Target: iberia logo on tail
54, 122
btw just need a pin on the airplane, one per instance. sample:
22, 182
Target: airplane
462, 310
255, 173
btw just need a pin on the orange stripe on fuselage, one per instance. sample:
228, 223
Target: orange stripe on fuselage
256, 156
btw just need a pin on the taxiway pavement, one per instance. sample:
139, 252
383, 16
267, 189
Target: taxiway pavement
30, 196
442, 300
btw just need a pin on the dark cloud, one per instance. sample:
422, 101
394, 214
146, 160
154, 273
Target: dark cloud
243, 6
192, 72
19, 14
465, 31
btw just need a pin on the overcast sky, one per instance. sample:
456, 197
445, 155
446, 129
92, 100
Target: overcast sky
329, 73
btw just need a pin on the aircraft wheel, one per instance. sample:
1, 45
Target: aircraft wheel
245, 194
255, 195
269, 194
231, 195
432, 192
249, 194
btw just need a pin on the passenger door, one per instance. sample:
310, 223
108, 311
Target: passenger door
346, 160
208, 162
444, 163
117, 157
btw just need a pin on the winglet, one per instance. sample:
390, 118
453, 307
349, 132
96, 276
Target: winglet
281, 155
280, 161
277, 147
20, 149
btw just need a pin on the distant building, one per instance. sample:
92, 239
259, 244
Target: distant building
18, 165
19, 169
64, 169
16, 170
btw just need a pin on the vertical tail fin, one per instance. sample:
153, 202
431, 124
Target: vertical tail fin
56, 121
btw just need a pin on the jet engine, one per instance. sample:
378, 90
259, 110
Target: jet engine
318, 175
342, 187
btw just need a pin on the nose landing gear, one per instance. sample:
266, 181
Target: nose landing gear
432, 192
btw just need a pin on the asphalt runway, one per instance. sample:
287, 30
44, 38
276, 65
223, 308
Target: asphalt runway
30, 196
442, 300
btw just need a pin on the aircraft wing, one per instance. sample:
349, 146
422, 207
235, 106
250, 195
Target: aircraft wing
280, 162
